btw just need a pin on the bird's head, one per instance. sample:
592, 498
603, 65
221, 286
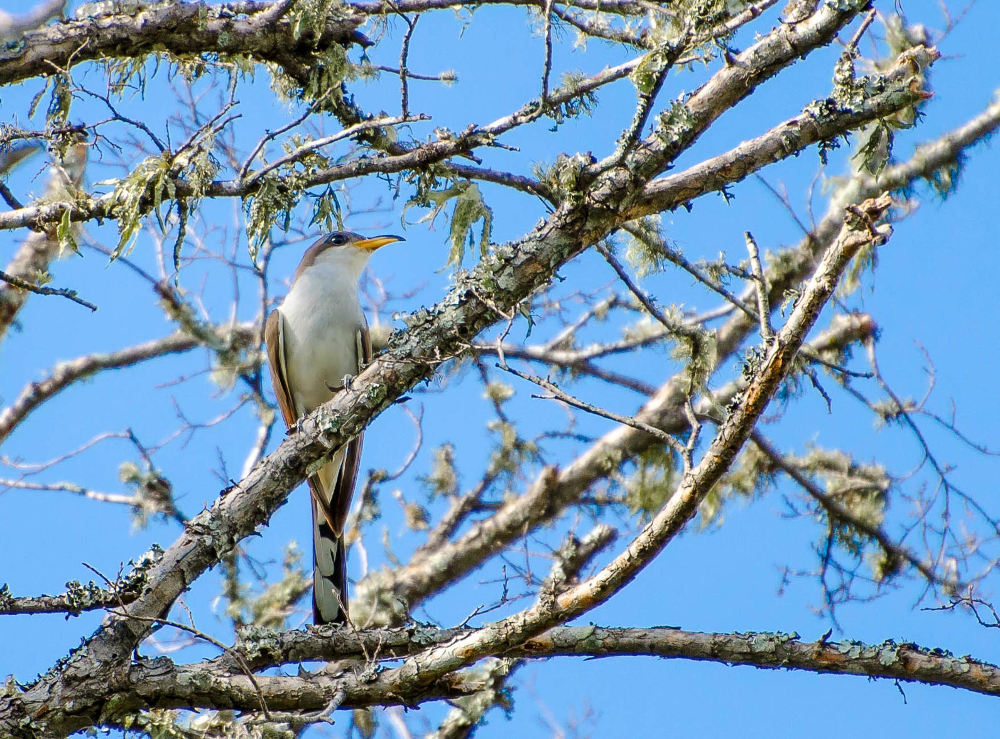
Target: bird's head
345, 250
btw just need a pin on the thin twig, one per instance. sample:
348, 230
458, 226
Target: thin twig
404, 51
326, 140
562, 395
42, 290
9, 196
547, 62
672, 326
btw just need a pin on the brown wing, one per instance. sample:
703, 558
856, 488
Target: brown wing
343, 492
274, 340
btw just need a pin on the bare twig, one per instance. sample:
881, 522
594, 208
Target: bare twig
43, 290
558, 394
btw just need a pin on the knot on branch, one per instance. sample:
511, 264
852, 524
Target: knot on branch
567, 178
863, 223
572, 557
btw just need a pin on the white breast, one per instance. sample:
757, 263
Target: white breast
322, 317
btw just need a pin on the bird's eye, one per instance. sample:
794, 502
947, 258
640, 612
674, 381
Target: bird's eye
338, 240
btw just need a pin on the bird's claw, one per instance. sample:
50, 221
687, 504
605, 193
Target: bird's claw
345, 384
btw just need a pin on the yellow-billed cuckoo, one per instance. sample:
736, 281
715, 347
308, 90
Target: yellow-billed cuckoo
316, 338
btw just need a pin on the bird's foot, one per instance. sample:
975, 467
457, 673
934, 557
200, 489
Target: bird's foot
345, 384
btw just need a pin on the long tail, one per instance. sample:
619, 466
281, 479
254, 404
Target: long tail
329, 552
329, 572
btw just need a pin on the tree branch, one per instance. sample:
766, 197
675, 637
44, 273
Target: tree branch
180, 28
218, 682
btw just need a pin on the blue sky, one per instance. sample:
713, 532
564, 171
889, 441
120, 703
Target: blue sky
934, 288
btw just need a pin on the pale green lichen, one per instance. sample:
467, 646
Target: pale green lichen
498, 392
443, 478
468, 209
258, 642
652, 481
563, 177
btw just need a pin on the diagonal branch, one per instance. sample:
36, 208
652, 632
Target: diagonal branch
807, 128
857, 231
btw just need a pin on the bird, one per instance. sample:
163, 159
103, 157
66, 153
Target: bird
317, 340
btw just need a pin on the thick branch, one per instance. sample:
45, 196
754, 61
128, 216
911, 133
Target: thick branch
220, 682
12, 27
805, 129
891, 660
180, 28
77, 599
